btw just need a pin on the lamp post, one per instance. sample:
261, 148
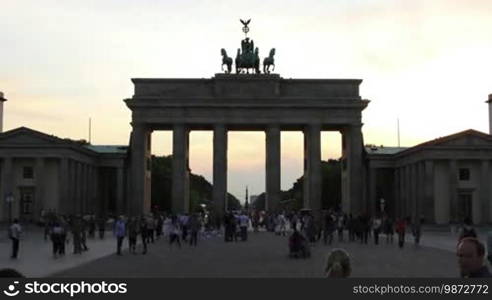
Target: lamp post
9, 199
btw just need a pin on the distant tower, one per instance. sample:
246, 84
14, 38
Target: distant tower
246, 204
2, 100
490, 113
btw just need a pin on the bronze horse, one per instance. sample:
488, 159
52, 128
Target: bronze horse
226, 60
269, 61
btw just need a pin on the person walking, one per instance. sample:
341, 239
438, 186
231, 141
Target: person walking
120, 232
57, 232
400, 230
143, 233
101, 225
388, 229
417, 231
15, 231
76, 234
132, 235
376, 229
328, 227
174, 232
194, 227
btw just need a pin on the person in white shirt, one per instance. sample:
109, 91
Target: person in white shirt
15, 231
243, 224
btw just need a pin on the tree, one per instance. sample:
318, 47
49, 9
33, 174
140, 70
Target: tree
200, 189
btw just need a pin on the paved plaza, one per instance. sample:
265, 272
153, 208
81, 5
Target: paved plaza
263, 255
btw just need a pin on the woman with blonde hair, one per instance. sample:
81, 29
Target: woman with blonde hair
338, 264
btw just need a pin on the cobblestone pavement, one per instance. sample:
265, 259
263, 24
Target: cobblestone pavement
265, 255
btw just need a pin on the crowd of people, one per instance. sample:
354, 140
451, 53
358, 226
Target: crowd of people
302, 228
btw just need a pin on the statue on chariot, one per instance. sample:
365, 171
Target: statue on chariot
247, 57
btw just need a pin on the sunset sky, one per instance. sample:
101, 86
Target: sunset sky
427, 63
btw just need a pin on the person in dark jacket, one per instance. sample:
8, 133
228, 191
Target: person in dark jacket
471, 258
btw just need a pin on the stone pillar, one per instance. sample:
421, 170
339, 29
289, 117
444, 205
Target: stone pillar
420, 189
408, 201
40, 176
453, 189
120, 209
272, 201
312, 167
428, 205
64, 200
7, 186
373, 201
485, 197
181, 178
220, 169
84, 188
353, 149
396, 194
139, 201
79, 185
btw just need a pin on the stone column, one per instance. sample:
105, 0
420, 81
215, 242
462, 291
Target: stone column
181, 179
485, 192
39, 175
373, 202
220, 169
312, 167
272, 201
7, 186
65, 202
79, 187
453, 189
396, 194
119, 191
428, 206
408, 201
139, 201
420, 189
84, 188
90, 190
353, 149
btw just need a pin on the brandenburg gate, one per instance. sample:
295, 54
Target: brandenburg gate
249, 102
255, 102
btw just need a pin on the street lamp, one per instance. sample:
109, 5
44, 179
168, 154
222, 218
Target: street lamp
9, 199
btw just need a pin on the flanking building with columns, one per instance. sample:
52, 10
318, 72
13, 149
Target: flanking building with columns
43, 173
443, 180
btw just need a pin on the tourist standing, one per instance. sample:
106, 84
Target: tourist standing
340, 226
471, 253
15, 231
120, 232
489, 246
243, 224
